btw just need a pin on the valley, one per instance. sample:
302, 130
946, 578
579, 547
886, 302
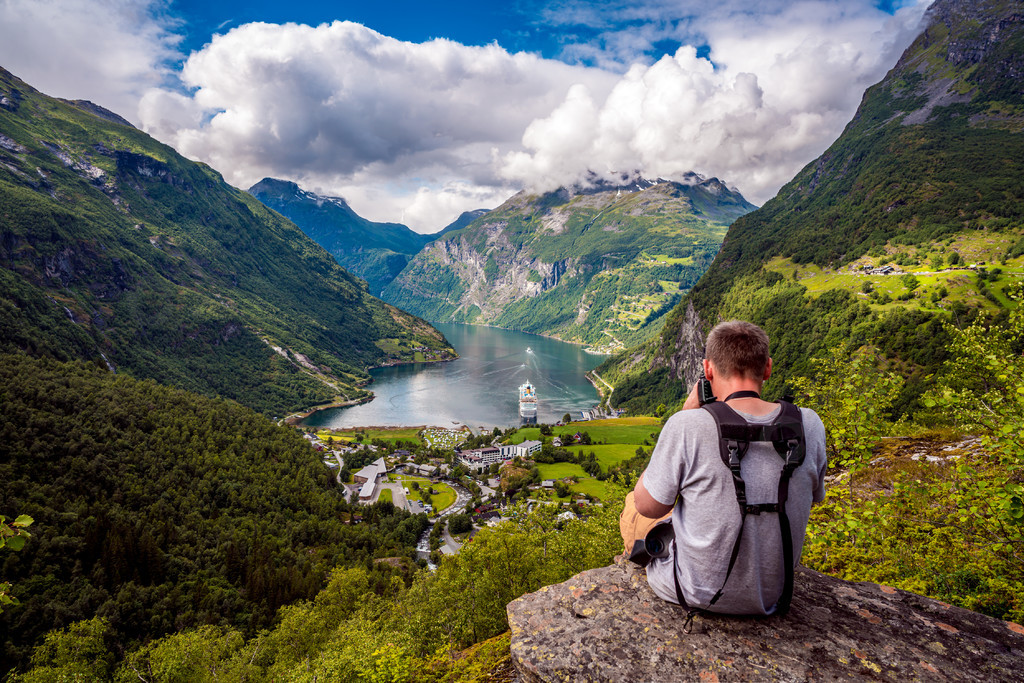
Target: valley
237, 428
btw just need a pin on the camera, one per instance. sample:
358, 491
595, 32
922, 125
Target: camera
657, 540
654, 545
704, 392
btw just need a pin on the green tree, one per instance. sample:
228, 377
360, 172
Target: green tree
851, 394
460, 524
78, 653
12, 536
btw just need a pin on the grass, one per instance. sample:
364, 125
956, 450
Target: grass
444, 499
609, 455
960, 282
625, 430
591, 487
384, 434
385, 495
560, 470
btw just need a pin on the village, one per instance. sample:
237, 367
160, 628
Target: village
469, 481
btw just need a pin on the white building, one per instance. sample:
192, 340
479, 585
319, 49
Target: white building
527, 448
368, 477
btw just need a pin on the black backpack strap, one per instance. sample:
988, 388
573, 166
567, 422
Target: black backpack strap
734, 437
791, 427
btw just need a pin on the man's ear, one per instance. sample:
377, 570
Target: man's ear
768, 370
709, 369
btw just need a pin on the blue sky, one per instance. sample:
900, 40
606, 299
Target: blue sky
470, 23
416, 111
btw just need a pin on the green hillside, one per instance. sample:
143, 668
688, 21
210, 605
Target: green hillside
599, 266
927, 178
115, 248
159, 510
376, 252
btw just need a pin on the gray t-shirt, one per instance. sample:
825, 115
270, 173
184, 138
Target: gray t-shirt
706, 519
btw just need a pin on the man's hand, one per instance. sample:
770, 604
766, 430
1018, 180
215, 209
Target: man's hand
693, 400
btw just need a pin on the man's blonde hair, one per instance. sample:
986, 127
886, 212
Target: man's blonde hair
738, 348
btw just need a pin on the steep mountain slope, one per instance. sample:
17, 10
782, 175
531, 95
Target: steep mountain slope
114, 247
597, 265
928, 178
376, 252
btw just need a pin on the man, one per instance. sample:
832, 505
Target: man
687, 478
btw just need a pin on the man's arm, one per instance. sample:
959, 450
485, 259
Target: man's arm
645, 503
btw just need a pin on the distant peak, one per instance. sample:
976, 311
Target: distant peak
274, 187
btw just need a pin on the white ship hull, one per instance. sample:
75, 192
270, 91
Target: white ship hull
527, 409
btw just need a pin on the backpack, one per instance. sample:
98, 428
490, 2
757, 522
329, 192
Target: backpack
786, 433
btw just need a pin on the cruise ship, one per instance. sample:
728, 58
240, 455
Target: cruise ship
527, 402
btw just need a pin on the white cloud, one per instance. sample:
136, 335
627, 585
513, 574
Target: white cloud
422, 131
106, 51
776, 90
323, 105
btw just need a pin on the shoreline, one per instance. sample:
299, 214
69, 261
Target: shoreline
296, 418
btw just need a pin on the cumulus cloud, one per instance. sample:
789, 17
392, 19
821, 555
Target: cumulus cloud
422, 131
774, 91
324, 104
107, 51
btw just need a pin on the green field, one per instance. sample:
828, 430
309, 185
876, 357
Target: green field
445, 494
609, 455
591, 487
561, 470
959, 281
391, 435
626, 430
385, 495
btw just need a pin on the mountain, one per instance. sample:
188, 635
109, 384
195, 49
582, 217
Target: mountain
464, 219
598, 264
376, 252
113, 247
927, 180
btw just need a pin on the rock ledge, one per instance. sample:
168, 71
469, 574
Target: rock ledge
608, 625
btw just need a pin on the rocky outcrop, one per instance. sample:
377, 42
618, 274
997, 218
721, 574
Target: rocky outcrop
607, 625
688, 350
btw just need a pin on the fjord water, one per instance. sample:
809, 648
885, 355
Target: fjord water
480, 388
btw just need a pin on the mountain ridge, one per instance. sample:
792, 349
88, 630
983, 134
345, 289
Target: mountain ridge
376, 252
564, 262
116, 248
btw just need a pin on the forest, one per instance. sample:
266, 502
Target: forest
159, 510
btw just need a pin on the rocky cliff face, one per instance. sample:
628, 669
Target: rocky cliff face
599, 265
607, 625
